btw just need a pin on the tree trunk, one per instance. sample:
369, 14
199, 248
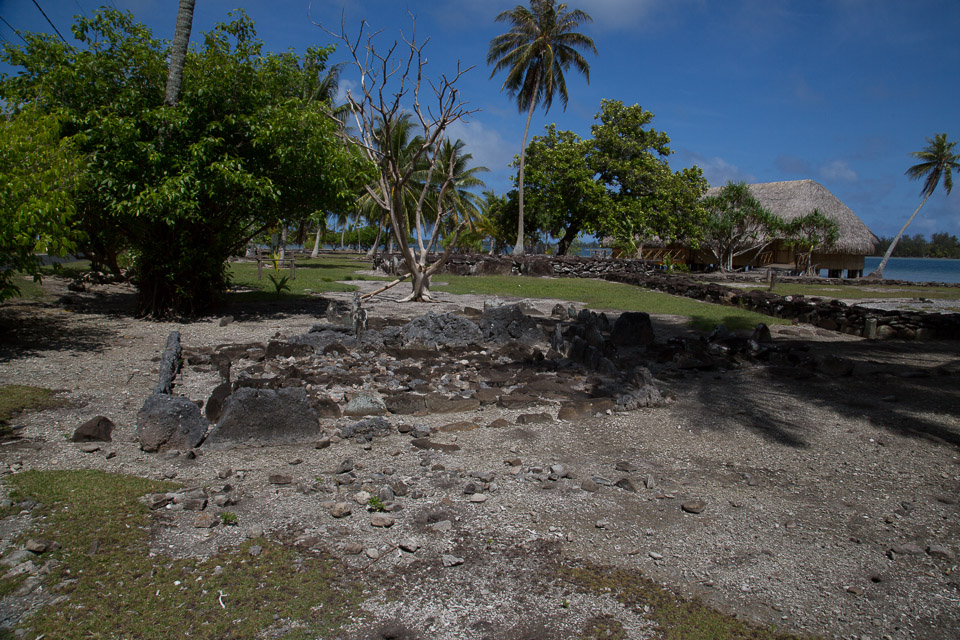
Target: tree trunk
878, 272
564, 245
283, 242
518, 248
178, 52
316, 243
376, 243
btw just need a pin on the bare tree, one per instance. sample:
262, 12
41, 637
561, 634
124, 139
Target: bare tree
391, 84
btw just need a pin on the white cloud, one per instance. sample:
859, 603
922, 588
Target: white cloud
631, 14
716, 170
488, 147
838, 170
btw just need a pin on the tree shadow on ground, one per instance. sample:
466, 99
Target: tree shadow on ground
910, 389
25, 333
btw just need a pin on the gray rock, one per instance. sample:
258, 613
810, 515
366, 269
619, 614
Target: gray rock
366, 430
341, 510
381, 520
632, 329
589, 485
940, 551
170, 362
694, 506
265, 416
410, 545
626, 484
509, 323
365, 404
440, 330
206, 520
99, 429
406, 403
451, 560
166, 422
214, 405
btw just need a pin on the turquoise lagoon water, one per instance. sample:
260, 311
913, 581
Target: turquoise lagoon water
917, 269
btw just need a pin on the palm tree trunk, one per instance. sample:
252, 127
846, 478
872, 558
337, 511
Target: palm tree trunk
376, 243
878, 272
316, 243
518, 248
178, 52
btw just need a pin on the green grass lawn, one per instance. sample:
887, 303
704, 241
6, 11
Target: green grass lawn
318, 275
603, 295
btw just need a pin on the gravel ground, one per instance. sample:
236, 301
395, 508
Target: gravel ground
807, 484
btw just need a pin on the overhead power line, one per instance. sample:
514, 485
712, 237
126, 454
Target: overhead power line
50, 22
12, 29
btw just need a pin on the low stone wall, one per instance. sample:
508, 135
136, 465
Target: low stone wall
827, 314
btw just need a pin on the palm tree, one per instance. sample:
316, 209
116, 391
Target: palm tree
456, 203
178, 51
539, 47
937, 160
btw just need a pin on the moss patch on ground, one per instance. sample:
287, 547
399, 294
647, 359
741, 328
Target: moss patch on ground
15, 399
676, 618
117, 589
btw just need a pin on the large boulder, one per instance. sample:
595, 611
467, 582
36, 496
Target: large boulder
99, 429
632, 329
265, 416
509, 323
441, 330
167, 422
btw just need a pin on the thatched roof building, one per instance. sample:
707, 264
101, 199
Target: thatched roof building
795, 198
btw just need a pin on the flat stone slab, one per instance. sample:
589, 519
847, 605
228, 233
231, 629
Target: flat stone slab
265, 416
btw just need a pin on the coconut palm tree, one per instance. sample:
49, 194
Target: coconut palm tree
539, 47
937, 160
178, 51
457, 197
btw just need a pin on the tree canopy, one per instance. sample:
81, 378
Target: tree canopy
184, 187
618, 184
39, 171
736, 223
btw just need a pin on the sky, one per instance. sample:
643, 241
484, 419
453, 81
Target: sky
837, 91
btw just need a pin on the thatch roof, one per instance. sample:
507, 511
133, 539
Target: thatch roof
795, 198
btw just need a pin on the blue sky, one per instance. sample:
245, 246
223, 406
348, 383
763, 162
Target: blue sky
759, 90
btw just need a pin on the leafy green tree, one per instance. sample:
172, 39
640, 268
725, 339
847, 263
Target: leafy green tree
540, 46
186, 186
736, 224
808, 233
649, 200
38, 173
564, 194
498, 222
937, 161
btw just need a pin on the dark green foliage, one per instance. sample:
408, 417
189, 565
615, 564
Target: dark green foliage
736, 224
618, 184
38, 173
186, 186
940, 245
564, 198
808, 233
